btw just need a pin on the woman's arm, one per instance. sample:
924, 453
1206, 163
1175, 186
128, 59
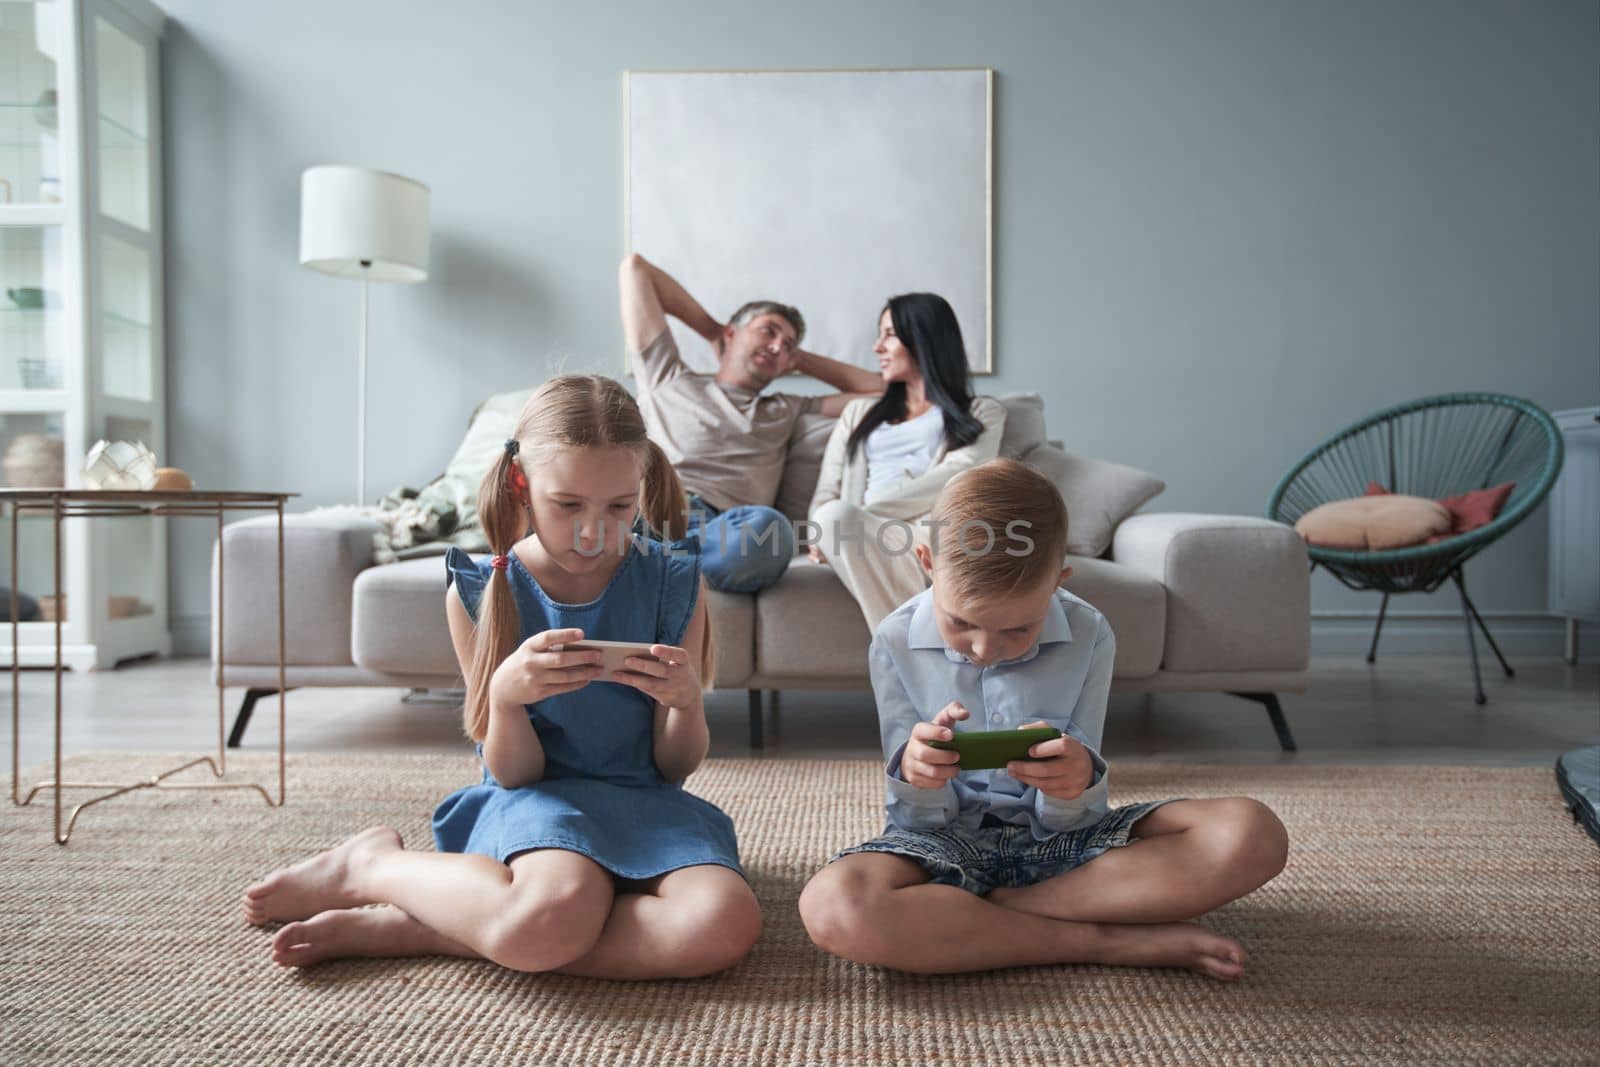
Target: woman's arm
511, 748
680, 734
914, 497
830, 479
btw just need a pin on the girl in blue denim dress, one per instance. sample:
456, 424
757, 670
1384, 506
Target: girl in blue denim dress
579, 851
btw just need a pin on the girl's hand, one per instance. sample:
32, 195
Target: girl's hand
539, 668
923, 765
1060, 768
669, 679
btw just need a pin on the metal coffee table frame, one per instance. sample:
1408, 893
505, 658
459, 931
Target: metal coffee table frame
63, 504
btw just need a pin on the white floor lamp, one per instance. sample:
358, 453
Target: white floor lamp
366, 224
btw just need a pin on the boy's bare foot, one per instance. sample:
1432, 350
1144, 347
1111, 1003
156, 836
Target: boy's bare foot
1173, 945
345, 932
317, 884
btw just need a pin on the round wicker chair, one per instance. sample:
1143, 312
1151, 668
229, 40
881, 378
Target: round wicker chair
1435, 447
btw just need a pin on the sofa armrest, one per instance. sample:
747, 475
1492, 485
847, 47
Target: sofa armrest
322, 556
1238, 589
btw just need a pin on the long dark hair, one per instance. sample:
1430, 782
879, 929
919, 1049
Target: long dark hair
926, 324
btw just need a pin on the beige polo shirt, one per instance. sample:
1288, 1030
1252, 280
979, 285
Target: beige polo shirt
728, 444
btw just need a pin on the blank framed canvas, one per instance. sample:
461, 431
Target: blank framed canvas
828, 190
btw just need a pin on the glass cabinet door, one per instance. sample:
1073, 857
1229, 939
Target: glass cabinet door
30, 151
123, 120
125, 320
32, 325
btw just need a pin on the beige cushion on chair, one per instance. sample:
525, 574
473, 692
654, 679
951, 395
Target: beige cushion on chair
1374, 523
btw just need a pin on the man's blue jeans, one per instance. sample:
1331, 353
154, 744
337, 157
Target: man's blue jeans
744, 549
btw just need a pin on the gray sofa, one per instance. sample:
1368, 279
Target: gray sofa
1204, 603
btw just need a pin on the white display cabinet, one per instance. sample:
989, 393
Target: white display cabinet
82, 345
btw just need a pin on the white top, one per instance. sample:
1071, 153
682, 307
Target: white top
896, 451
845, 478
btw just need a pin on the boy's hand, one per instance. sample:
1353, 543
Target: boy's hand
923, 765
669, 679
1060, 768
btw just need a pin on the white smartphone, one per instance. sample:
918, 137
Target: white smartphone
613, 653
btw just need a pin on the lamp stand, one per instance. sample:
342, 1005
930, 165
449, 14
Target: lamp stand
361, 397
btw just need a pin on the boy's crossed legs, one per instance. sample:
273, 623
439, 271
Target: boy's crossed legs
548, 910
1124, 907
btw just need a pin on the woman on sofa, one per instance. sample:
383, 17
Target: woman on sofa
889, 456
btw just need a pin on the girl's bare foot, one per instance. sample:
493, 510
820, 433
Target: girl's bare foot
345, 932
1174, 945
317, 884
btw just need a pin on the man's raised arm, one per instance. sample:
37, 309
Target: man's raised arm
842, 376
649, 294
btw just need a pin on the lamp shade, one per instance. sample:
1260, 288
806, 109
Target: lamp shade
360, 223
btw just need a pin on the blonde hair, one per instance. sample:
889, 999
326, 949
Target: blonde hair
1003, 530
569, 411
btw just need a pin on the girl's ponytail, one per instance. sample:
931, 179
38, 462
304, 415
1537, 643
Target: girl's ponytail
503, 511
666, 510
664, 506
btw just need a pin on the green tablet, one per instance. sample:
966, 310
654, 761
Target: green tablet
983, 750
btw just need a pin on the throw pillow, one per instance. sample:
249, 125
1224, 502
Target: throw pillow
1374, 523
1468, 511
490, 425
1024, 429
1098, 494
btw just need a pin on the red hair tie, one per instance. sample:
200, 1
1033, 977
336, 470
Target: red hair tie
500, 563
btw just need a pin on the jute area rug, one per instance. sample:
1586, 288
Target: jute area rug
1427, 915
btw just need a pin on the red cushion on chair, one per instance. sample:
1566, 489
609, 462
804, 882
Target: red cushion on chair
1468, 511
1477, 508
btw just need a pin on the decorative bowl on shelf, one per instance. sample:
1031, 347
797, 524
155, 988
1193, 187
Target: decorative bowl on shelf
35, 461
119, 465
26, 297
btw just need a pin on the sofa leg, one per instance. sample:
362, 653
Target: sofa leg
1275, 713
247, 708
756, 724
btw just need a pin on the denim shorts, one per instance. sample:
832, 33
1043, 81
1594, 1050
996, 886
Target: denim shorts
997, 854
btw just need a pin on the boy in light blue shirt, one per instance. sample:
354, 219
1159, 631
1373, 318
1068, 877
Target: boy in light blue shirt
1029, 864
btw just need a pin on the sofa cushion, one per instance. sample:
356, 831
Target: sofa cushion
397, 619
1133, 603
733, 624
809, 625
807, 442
1098, 494
399, 625
323, 552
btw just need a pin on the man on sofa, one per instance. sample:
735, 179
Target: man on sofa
727, 439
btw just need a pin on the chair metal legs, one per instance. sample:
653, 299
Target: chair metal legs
1372, 653
1469, 615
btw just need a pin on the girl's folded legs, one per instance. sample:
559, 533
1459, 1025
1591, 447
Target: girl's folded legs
547, 910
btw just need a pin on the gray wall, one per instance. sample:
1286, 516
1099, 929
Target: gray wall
1223, 229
